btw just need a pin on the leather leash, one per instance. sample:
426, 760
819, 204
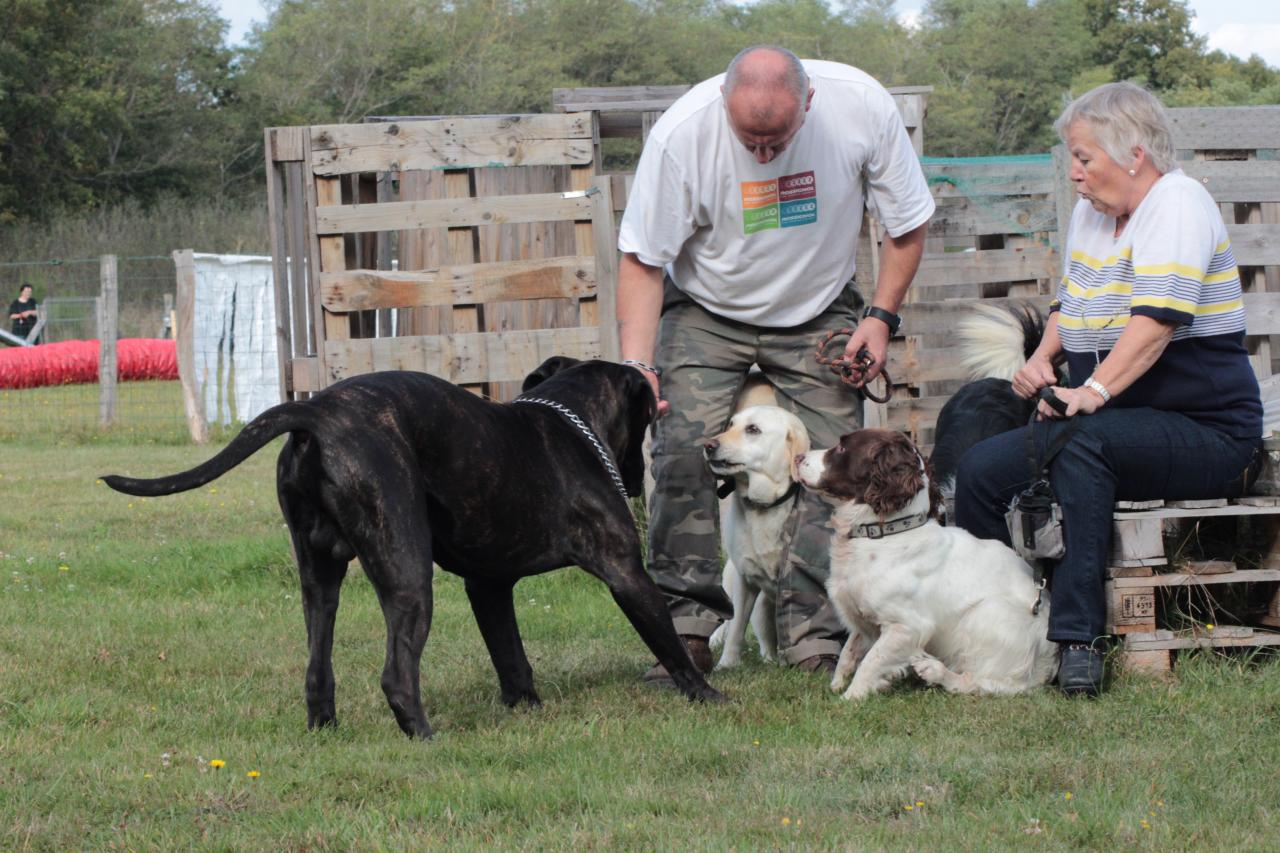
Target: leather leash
853, 370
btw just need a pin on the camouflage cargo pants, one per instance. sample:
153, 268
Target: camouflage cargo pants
705, 359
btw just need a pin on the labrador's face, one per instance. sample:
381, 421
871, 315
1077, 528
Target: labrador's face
760, 440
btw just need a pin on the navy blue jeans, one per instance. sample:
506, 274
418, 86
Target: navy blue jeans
1115, 454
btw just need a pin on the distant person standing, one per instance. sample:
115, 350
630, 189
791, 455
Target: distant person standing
23, 312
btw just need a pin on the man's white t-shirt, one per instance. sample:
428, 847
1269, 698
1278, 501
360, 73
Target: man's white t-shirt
773, 244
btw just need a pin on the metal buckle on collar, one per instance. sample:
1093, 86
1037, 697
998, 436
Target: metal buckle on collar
1035, 608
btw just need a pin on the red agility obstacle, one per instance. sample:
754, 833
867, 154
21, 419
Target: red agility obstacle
73, 362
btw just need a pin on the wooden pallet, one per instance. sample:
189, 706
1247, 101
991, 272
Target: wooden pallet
1143, 575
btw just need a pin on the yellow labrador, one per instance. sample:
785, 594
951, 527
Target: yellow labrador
757, 452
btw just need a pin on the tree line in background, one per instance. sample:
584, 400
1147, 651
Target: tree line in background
110, 101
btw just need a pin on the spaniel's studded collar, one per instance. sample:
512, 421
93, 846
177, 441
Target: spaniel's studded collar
888, 528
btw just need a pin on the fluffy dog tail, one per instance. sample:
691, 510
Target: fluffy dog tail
275, 421
996, 342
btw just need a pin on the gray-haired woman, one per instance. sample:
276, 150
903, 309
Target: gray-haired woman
1150, 323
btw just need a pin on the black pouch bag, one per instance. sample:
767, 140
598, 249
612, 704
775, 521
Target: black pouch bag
1034, 517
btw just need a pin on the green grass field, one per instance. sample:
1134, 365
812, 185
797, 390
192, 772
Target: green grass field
151, 663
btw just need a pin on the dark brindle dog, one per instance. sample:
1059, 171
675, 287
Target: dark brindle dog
402, 469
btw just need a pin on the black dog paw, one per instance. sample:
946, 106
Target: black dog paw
529, 697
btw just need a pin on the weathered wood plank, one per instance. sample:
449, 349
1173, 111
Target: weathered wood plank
958, 178
300, 306
931, 318
333, 258
1262, 313
462, 358
108, 328
452, 143
1179, 579
476, 155
451, 212
1230, 510
986, 265
278, 235
616, 98
461, 247
1237, 180
1158, 640
963, 216
432, 131
305, 373
1255, 244
192, 400
361, 290
606, 260
1229, 128
285, 144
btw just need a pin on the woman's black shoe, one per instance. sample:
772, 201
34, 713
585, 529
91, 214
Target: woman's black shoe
1080, 670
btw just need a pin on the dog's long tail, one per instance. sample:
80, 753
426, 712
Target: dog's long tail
995, 342
275, 421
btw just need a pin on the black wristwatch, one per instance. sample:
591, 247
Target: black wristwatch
890, 319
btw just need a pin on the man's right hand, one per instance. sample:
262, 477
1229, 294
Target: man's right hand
1037, 373
663, 405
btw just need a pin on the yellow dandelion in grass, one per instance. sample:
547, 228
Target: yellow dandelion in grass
908, 808
1067, 795
755, 743
146, 776
919, 804
786, 821
64, 568
217, 763
253, 774
1145, 825
1160, 803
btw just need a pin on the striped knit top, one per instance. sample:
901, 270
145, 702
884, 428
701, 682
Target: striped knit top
1173, 262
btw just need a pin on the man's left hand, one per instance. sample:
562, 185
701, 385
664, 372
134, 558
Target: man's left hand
874, 335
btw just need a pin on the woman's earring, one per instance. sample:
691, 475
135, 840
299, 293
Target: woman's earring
1133, 173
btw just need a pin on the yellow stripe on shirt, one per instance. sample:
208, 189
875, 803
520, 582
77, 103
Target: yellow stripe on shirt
1094, 263
1177, 269
1220, 307
1116, 288
1075, 324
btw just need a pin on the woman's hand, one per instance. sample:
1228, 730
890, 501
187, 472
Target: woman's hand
1037, 373
1080, 401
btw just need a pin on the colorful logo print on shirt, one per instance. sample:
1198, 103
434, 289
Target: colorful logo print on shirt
781, 203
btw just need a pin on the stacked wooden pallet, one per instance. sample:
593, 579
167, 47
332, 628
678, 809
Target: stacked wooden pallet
468, 247
1174, 584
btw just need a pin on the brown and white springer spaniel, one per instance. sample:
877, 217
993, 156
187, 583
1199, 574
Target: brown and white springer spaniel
914, 594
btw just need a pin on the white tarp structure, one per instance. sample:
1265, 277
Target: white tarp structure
234, 335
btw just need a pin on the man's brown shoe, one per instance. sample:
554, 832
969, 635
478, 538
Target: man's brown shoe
699, 651
824, 664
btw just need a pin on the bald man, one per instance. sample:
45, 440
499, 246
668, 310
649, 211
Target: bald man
738, 245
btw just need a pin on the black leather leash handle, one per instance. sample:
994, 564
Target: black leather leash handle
1055, 402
